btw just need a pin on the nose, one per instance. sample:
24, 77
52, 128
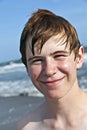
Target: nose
50, 67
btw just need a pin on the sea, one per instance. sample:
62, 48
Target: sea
14, 80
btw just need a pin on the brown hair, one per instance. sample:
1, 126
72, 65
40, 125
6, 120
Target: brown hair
42, 25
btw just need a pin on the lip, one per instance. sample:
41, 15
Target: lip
52, 83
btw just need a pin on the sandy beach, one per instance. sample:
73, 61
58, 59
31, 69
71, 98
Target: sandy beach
12, 109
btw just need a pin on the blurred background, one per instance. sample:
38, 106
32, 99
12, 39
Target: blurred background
17, 93
13, 16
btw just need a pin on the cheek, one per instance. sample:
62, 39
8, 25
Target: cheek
34, 72
68, 67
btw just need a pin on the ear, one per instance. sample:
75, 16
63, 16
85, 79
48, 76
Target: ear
80, 57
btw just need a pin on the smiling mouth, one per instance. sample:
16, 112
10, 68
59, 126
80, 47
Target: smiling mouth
53, 83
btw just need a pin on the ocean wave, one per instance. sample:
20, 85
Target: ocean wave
18, 88
85, 57
11, 67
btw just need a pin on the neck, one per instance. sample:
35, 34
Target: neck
66, 105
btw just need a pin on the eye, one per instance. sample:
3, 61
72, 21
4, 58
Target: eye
36, 61
59, 56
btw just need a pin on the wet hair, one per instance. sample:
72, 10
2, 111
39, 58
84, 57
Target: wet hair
42, 25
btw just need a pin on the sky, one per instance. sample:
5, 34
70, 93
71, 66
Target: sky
14, 15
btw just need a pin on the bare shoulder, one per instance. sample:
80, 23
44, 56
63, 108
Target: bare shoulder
31, 120
23, 122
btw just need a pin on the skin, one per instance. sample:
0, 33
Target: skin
54, 73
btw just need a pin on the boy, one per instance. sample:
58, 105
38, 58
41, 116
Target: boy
52, 53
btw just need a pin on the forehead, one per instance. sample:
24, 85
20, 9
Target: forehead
55, 43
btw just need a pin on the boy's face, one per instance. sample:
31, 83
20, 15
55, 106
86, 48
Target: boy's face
54, 70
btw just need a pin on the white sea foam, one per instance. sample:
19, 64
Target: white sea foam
11, 67
85, 57
14, 81
18, 88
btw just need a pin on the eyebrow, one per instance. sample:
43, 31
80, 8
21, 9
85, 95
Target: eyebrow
36, 57
64, 52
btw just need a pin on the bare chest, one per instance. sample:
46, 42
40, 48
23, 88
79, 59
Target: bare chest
40, 126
